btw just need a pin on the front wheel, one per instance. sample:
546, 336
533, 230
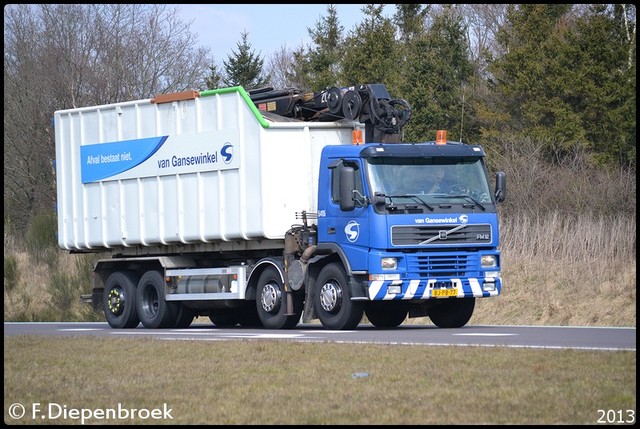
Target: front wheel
332, 299
271, 302
386, 314
452, 312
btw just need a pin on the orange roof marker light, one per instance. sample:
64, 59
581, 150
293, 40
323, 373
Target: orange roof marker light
441, 137
356, 137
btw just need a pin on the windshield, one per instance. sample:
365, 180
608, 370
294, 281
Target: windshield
451, 179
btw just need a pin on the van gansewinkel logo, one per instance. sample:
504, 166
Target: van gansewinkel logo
227, 153
352, 230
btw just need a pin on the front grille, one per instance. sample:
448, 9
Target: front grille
434, 235
431, 266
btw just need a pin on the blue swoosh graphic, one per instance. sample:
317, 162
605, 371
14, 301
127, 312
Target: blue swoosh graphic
104, 160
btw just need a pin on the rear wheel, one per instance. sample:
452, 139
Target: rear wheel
153, 310
332, 299
452, 312
386, 314
119, 300
271, 302
185, 315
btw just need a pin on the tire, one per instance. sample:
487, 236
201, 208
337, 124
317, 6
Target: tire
386, 314
119, 300
248, 317
224, 317
332, 300
153, 310
271, 302
452, 312
185, 315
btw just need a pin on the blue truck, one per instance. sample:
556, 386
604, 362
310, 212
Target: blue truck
270, 208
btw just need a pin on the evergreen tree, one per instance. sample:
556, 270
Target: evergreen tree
602, 83
410, 20
568, 84
319, 67
527, 79
437, 70
371, 53
215, 78
244, 67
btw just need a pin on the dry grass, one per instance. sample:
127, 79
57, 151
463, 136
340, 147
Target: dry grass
561, 271
48, 290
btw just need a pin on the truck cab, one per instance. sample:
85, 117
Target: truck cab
416, 228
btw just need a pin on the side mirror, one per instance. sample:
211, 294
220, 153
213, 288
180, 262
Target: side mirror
501, 186
347, 186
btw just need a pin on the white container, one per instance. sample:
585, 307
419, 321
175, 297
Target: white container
202, 170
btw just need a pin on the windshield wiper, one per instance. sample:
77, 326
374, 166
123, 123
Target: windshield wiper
467, 196
412, 196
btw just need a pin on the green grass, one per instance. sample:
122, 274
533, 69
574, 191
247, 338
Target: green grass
276, 382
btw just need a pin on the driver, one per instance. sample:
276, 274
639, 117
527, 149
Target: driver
437, 184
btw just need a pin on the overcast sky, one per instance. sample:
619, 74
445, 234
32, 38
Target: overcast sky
270, 27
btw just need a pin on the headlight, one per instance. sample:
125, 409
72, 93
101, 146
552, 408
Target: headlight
389, 263
488, 261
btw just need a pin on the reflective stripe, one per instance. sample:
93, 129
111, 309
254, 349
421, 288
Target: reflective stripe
476, 290
412, 290
420, 289
374, 288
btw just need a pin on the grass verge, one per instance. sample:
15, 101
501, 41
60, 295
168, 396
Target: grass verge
274, 382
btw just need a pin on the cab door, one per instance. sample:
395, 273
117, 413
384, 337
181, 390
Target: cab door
345, 220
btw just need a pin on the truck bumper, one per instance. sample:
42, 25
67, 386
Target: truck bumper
421, 289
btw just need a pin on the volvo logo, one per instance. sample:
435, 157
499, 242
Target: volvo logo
443, 234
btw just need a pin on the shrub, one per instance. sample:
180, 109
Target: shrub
11, 272
41, 238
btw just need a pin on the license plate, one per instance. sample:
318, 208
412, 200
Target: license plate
444, 292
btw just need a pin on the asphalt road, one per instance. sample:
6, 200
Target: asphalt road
544, 337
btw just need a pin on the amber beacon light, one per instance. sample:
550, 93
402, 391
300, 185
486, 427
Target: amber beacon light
441, 137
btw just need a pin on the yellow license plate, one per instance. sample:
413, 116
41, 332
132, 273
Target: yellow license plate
444, 292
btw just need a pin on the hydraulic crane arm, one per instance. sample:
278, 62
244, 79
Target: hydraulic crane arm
370, 104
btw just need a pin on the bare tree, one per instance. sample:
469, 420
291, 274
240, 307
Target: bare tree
483, 23
59, 56
280, 68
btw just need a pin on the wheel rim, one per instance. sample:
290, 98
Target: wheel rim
116, 301
270, 297
330, 297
